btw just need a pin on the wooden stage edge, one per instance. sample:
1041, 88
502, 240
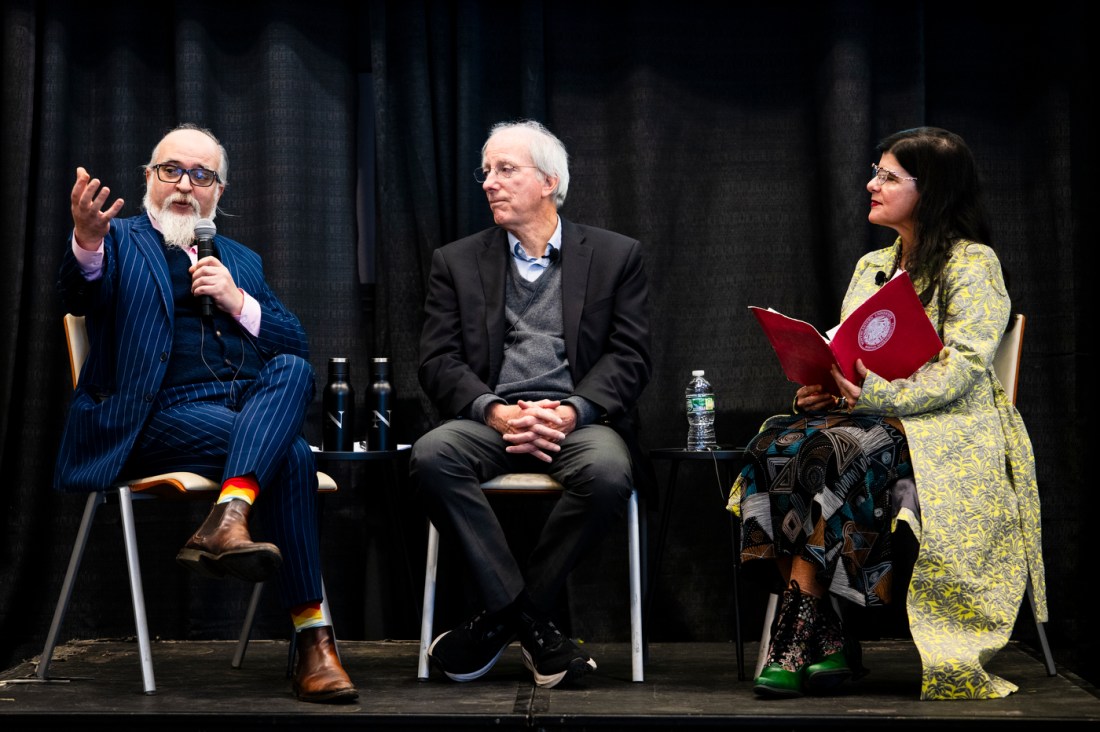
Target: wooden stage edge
687, 684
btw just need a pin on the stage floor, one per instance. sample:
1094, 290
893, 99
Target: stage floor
687, 684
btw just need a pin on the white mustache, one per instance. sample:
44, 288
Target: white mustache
183, 198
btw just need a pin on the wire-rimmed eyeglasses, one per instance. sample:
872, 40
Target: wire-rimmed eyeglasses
172, 173
504, 170
885, 175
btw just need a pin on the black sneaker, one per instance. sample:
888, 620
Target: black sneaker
550, 656
469, 651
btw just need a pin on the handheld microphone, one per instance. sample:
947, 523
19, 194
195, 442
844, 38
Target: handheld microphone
204, 238
880, 278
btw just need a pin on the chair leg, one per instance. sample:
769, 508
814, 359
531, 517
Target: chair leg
735, 542
129, 534
643, 538
1048, 658
246, 629
328, 614
90, 506
634, 552
428, 613
766, 633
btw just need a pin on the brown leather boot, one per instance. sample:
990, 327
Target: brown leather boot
318, 675
222, 546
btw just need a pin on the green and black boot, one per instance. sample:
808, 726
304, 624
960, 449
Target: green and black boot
829, 666
789, 652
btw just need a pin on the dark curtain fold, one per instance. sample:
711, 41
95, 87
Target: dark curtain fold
734, 140
439, 84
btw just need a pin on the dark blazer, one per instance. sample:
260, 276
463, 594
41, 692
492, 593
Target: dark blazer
129, 315
605, 313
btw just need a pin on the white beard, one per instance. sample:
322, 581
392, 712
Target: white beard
178, 229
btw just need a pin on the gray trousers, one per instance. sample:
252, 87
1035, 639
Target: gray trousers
448, 466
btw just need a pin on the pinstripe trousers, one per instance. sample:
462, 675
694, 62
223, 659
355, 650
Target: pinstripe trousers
224, 429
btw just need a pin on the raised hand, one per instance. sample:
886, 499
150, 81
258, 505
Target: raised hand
90, 222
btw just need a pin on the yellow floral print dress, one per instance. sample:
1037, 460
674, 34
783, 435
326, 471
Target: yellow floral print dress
975, 475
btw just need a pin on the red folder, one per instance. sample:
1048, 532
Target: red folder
890, 332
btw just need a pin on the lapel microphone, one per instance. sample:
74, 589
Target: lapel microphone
880, 279
204, 238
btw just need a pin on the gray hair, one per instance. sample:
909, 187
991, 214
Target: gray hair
547, 152
223, 166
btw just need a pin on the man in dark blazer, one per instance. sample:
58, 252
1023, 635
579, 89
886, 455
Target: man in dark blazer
535, 348
220, 391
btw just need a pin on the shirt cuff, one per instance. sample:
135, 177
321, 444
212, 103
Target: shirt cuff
479, 405
90, 262
251, 315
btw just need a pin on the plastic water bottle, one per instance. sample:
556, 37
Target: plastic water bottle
699, 399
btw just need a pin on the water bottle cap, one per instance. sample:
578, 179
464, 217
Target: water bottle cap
700, 372
338, 367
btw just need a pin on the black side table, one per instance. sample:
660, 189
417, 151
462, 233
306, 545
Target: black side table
394, 459
323, 456
729, 459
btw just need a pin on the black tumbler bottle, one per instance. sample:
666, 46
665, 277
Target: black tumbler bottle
381, 433
338, 431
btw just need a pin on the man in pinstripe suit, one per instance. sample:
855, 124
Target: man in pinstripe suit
166, 387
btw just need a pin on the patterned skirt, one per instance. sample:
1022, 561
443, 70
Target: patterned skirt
819, 487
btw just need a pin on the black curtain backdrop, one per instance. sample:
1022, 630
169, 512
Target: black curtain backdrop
733, 139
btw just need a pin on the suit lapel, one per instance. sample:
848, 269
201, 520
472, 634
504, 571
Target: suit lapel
492, 267
228, 258
148, 241
576, 256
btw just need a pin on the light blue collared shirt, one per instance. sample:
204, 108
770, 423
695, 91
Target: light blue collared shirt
531, 268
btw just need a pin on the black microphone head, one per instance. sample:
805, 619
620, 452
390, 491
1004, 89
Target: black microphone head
880, 278
553, 255
205, 229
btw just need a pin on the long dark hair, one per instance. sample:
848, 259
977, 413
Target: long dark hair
950, 204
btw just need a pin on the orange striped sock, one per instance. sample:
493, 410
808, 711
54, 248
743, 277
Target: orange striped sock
308, 615
243, 487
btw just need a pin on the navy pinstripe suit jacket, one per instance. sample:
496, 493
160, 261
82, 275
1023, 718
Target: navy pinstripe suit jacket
129, 314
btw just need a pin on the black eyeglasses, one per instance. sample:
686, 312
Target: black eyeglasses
172, 173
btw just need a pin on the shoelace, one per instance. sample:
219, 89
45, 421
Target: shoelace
482, 629
793, 614
546, 634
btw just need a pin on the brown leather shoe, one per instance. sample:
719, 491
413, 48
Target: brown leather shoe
222, 546
318, 675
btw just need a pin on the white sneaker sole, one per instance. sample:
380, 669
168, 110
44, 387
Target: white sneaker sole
573, 673
471, 675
